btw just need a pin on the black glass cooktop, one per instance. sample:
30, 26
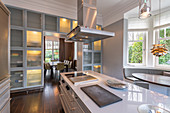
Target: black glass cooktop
74, 75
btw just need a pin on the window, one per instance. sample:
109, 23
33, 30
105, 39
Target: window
164, 38
136, 47
51, 50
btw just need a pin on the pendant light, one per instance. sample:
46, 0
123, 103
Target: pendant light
159, 50
144, 9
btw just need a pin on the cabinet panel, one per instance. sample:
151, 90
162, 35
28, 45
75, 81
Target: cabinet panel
98, 27
87, 57
97, 68
16, 79
87, 68
33, 77
65, 25
16, 17
97, 45
34, 39
33, 58
87, 46
75, 23
97, 57
33, 20
50, 23
16, 58
16, 38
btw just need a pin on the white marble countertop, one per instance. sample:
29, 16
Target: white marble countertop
154, 79
132, 97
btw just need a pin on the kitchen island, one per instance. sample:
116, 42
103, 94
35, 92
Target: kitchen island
74, 100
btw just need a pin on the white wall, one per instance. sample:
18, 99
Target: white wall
113, 51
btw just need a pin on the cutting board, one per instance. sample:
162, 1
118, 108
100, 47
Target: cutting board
100, 96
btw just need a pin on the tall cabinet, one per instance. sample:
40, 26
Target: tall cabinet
26, 66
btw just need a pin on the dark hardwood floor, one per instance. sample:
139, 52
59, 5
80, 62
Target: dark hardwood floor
46, 101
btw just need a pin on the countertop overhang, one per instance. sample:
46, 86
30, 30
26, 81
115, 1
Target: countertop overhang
132, 97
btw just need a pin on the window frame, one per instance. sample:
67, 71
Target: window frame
144, 47
157, 39
53, 49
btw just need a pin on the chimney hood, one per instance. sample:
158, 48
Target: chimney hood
86, 29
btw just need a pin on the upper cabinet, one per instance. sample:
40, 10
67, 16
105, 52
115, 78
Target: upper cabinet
74, 24
65, 25
97, 45
33, 20
16, 38
34, 39
16, 17
50, 23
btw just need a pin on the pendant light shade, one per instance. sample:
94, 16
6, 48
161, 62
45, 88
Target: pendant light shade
159, 50
144, 9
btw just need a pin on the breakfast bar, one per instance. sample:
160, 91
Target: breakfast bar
132, 97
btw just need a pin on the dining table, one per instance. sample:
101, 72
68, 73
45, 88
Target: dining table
153, 79
52, 64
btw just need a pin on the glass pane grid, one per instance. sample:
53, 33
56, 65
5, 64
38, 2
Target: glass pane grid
33, 77
16, 58
33, 58
16, 79
34, 39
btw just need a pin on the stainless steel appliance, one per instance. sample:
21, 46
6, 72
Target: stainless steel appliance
85, 31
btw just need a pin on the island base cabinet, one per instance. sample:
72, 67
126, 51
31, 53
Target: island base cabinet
69, 106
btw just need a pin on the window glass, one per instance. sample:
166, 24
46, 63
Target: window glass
136, 47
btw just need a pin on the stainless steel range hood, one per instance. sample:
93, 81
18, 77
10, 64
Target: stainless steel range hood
85, 31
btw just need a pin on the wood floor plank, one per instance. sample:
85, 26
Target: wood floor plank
46, 101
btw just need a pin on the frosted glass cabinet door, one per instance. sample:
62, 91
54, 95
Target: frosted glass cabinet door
33, 58
97, 45
50, 23
87, 68
16, 17
16, 38
65, 25
87, 57
33, 20
16, 79
87, 46
75, 23
16, 58
97, 57
34, 39
97, 68
33, 77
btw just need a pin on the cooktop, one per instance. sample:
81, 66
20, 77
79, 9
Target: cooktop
75, 75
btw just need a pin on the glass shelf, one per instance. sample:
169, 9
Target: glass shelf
16, 17
33, 20
85, 68
34, 39
33, 77
33, 58
16, 79
97, 45
97, 57
87, 57
16, 38
75, 23
50, 23
97, 68
65, 25
16, 58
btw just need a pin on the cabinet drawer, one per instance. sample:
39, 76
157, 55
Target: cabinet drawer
5, 85
4, 97
6, 107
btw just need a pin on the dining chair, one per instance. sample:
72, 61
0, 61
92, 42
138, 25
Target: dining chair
47, 67
60, 67
70, 64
